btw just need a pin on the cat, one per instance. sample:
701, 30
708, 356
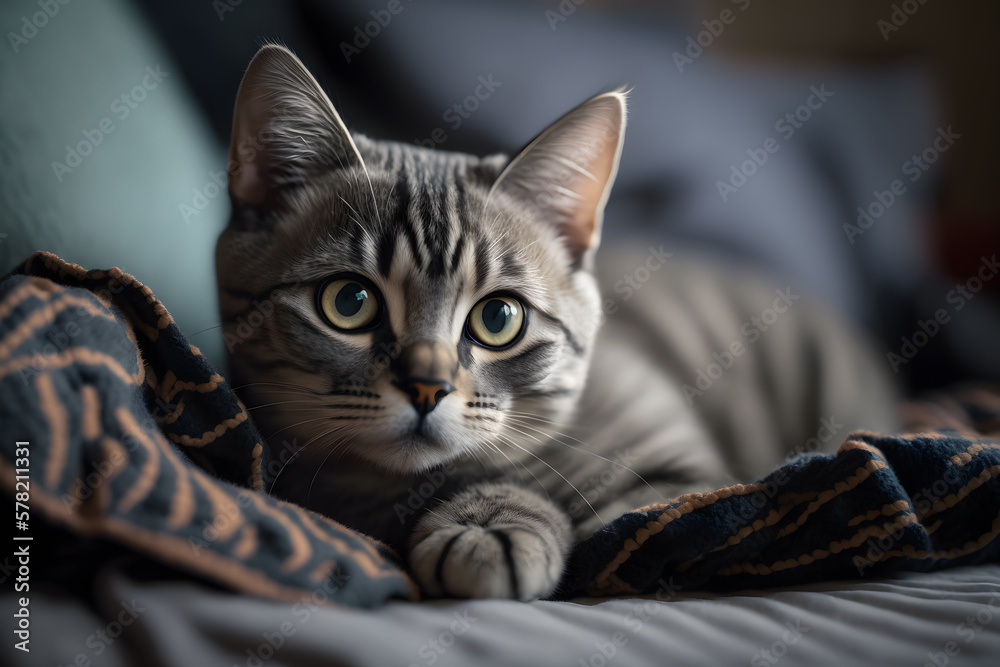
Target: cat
427, 361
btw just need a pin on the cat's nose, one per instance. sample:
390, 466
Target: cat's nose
425, 394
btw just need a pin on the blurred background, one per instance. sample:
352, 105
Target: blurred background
880, 197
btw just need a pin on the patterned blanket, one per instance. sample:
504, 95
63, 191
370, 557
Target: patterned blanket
115, 427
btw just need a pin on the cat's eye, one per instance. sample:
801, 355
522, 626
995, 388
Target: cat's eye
349, 303
496, 321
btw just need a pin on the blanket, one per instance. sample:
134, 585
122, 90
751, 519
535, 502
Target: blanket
117, 431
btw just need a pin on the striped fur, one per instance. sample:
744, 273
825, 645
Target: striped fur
435, 233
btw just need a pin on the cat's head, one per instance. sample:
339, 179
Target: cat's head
399, 305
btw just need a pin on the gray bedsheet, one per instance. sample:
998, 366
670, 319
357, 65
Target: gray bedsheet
950, 617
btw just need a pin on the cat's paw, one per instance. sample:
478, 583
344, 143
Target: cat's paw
498, 561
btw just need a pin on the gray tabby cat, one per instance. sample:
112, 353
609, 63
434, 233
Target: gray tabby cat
419, 329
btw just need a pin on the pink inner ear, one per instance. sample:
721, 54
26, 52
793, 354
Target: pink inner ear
582, 228
572, 165
248, 184
279, 108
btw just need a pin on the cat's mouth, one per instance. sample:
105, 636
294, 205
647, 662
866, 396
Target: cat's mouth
415, 452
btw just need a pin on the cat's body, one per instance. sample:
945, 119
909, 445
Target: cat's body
427, 342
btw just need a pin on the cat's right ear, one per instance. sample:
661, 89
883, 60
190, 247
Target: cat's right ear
567, 171
285, 130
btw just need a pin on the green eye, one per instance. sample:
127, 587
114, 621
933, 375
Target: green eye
349, 303
496, 321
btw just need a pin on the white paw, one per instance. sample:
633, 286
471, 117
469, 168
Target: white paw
498, 561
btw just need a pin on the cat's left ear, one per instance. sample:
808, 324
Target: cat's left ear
285, 130
567, 171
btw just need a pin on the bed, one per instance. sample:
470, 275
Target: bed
950, 617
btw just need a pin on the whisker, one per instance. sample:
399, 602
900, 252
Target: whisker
217, 326
317, 405
268, 405
546, 464
480, 441
642, 479
299, 451
334, 446
305, 421
279, 384
547, 495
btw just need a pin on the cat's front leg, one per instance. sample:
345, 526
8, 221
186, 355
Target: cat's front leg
491, 541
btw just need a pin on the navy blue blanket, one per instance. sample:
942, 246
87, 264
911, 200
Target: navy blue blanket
135, 439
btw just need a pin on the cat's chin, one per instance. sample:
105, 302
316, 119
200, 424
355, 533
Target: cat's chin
412, 454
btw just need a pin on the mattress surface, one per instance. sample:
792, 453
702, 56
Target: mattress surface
950, 617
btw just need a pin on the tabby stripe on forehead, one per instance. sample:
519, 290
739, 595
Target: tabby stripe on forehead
458, 297
386, 250
357, 241
456, 255
482, 263
403, 218
459, 211
510, 267
431, 218
455, 214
